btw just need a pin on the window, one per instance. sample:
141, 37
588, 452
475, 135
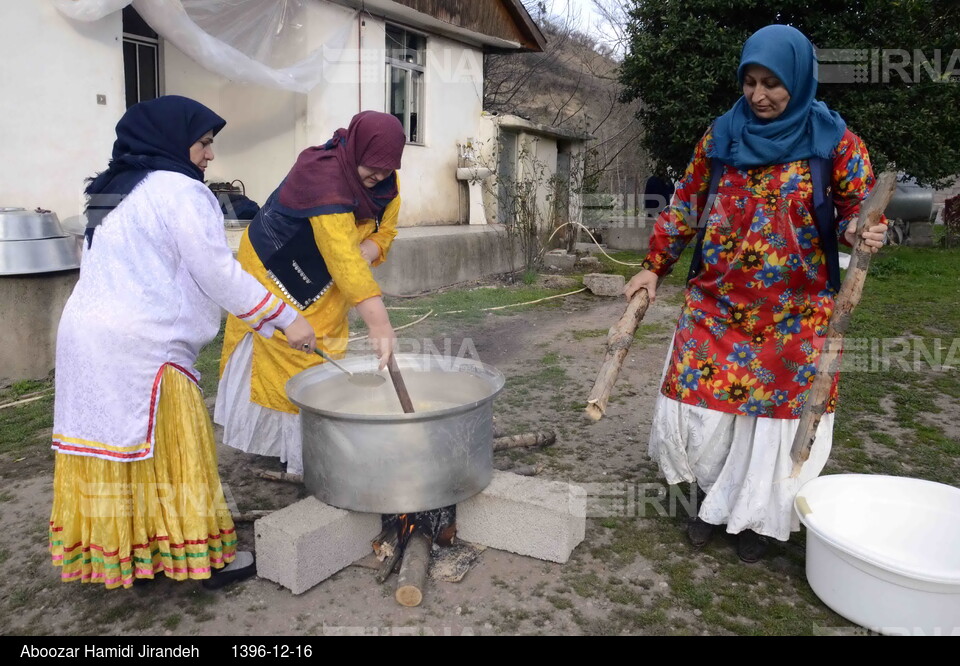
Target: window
406, 57
141, 59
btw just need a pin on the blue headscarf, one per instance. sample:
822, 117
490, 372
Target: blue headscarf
806, 128
151, 136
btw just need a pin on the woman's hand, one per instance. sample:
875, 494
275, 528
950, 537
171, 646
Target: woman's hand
873, 238
384, 342
370, 251
643, 280
300, 335
381, 334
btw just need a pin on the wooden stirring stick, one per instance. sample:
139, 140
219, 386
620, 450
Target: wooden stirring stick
398, 384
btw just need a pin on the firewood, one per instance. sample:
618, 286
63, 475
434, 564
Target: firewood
251, 516
389, 564
524, 470
385, 543
545, 438
848, 298
286, 477
618, 344
413, 570
437, 524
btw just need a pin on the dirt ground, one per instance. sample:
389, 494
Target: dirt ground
633, 574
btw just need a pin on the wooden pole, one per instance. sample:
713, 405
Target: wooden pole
850, 292
618, 344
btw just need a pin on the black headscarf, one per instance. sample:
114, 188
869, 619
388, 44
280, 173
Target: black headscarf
151, 136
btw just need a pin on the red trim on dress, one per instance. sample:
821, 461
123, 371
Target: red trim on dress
259, 305
271, 317
154, 395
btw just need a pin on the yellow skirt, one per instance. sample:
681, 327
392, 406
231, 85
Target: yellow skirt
113, 521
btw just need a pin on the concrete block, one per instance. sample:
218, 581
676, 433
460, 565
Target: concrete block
525, 515
588, 262
307, 542
604, 284
586, 248
560, 259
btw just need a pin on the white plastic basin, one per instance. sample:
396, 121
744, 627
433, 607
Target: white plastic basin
884, 551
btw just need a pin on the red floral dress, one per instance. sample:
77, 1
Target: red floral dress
754, 319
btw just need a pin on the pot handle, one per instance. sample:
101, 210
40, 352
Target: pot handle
803, 506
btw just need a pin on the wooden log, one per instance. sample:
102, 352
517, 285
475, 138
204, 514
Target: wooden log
286, 477
850, 292
389, 564
523, 470
545, 438
413, 570
251, 516
385, 543
618, 344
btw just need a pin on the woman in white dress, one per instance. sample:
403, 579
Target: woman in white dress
136, 487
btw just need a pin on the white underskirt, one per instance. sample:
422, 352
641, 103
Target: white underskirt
742, 462
251, 427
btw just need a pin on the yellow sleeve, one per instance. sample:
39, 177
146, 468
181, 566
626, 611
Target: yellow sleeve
384, 236
338, 238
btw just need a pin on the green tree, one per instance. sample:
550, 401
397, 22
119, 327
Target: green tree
682, 58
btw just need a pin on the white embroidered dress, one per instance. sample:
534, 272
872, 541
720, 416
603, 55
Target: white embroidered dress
149, 295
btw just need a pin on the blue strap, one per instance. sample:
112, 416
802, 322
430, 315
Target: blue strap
821, 171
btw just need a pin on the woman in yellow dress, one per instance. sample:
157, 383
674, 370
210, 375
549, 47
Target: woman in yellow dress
312, 244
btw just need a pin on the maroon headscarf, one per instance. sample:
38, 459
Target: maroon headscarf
326, 176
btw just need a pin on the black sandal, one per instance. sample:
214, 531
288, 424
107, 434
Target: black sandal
751, 547
699, 532
241, 568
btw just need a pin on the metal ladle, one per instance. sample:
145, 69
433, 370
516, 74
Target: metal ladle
366, 379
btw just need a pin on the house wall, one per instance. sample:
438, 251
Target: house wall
266, 129
259, 143
54, 133
536, 161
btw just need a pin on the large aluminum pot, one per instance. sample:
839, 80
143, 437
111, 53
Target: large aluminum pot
39, 256
361, 452
18, 224
34, 242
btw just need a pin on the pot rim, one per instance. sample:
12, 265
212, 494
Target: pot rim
405, 362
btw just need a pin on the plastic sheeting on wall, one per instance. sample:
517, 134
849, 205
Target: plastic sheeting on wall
242, 40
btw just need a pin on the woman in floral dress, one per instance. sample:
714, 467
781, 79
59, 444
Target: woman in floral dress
756, 313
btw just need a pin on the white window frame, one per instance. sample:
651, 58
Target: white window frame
413, 70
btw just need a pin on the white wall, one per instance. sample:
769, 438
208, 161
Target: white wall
259, 143
266, 129
53, 133
454, 102
453, 84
